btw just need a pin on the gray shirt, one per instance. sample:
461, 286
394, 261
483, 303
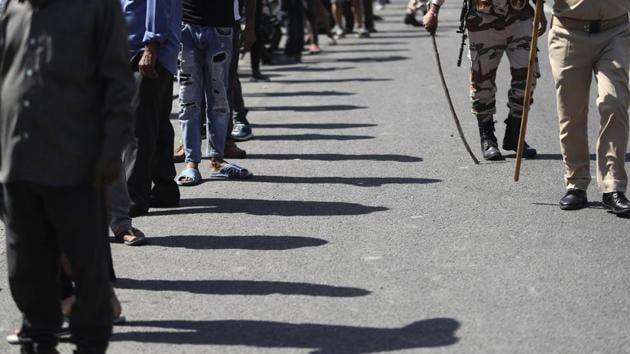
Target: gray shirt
65, 89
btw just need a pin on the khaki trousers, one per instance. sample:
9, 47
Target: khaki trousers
576, 56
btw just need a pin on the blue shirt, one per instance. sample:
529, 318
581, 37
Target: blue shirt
155, 20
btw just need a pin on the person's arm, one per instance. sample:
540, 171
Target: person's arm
250, 23
156, 33
430, 19
115, 78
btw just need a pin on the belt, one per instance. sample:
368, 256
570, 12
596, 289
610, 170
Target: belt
589, 26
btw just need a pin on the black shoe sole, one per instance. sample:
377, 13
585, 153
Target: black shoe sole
616, 212
573, 207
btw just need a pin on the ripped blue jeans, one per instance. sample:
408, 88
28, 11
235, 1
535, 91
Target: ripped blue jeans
204, 65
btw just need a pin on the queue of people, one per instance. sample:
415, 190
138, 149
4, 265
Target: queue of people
107, 156
106, 78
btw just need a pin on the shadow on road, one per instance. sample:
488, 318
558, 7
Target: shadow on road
307, 68
331, 81
336, 157
241, 287
430, 333
323, 108
363, 50
298, 93
375, 43
268, 207
305, 137
371, 59
262, 243
314, 125
353, 181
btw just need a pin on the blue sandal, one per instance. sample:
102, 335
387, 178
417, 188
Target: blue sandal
231, 171
189, 177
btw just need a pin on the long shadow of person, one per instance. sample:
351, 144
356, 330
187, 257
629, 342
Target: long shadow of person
429, 333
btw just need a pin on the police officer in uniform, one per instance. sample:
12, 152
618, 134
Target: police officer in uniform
592, 38
496, 27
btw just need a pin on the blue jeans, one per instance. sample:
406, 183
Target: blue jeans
203, 74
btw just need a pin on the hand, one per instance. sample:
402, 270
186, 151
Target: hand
147, 63
430, 21
542, 28
250, 37
108, 171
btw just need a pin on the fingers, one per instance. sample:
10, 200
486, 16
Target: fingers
148, 71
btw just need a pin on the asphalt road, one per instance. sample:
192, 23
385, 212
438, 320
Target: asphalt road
368, 228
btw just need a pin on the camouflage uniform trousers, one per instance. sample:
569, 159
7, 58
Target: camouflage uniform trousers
491, 36
414, 5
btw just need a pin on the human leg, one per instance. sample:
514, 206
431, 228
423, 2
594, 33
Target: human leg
517, 51
146, 130
34, 264
486, 49
79, 218
572, 72
191, 81
216, 83
165, 191
613, 97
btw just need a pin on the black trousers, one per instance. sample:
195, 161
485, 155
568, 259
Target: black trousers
235, 92
295, 27
257, 50
154, 132
41, 223
368, 14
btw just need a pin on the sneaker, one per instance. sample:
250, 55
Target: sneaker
362, 33
242, 132
314, 49
339, 32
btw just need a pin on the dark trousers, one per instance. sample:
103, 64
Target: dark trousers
295, 27
257, 50
155, 135
368, 14
41, 223
313, 20
235, 92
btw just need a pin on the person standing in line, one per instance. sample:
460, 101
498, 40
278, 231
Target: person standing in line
592, 38
204, 75
65, 92
496, 27
154, 28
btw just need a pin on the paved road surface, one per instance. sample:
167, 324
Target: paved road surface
368, 228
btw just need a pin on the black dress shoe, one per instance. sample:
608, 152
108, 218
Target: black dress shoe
574, 199
617, 203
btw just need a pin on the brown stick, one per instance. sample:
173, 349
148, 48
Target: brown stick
450, 101
533, 47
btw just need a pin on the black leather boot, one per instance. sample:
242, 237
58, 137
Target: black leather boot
510, 140
489, 147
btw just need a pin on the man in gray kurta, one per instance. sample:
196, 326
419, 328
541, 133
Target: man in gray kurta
65, 90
